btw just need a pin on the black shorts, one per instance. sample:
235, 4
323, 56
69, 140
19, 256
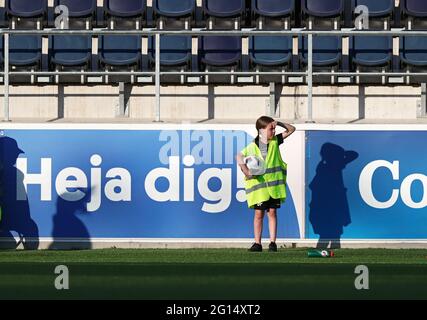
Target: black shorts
269, 204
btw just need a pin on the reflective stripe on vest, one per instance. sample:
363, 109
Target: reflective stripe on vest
274, 170
265, 185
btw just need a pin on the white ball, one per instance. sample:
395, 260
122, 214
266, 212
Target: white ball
255, 165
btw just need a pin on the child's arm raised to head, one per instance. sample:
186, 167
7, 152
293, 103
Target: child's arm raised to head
289, 129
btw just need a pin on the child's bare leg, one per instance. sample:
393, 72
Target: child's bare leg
272, 224
258, 219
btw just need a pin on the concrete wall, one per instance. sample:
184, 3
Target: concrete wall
198, 103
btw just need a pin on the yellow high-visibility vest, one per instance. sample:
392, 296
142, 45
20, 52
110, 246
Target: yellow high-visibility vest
272, 184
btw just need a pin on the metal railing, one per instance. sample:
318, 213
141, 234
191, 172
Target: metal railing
204, 32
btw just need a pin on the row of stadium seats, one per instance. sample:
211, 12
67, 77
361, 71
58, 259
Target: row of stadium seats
219, 52
296, 11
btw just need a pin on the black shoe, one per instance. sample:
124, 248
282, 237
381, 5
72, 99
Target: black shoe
272, 247
256, 247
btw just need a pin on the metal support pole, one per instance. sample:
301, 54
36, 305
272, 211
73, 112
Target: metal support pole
310, 79
272, 104
6, 77
122, 107
157, 78
423, 100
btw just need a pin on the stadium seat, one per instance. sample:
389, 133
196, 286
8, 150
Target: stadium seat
3, 18
414, 8
377, 8
82, 13
79, 8
323, 8
70, 50
325, 11
375, 51
219, 51
175, 55
414, 13
174, 11
26, 9
70, 53
116, 10
34, 10
413, 51
327, 51
270, 51
413, 57
120, 51
273, 9
381, 13
223, 9
174, 8
25, 52
327, 56
174, 50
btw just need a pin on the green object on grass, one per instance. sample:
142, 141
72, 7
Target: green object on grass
320, 254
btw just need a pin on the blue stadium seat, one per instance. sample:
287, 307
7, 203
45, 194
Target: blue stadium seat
79, 8
414, 8
174, 50
3, 18
120, 51
273, 8
270, 51
220, 51
327, 51
375, 51
413, 51
70, 50
24, 50
123, 10
323, 8
26, 8
377, 8
224, 8
174, 8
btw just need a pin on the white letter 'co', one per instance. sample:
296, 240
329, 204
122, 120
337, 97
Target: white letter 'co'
366, 189
62, 281
362, 280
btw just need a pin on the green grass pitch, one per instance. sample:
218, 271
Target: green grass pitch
213, 274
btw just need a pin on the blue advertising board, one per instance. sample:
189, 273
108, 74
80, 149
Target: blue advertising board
88, 184
366, 185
